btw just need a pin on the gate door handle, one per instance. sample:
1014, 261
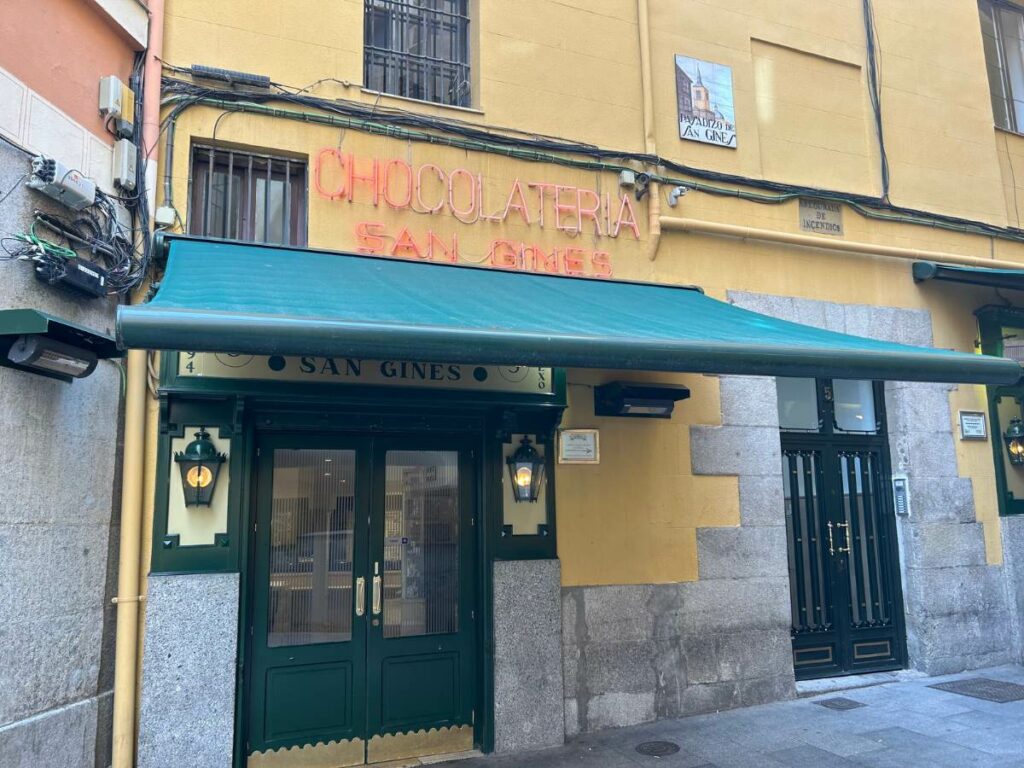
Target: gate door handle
831, 547
376, 589
847, 527
360, 596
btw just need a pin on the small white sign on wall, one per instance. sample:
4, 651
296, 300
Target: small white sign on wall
579, 446
973, 425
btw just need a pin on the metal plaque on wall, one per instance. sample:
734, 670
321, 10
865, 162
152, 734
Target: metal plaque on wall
822, 217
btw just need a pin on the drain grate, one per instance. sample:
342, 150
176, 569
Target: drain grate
840, 703
985, 688
658, 748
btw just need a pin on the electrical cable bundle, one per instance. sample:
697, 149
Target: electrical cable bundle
182, 94
95, 235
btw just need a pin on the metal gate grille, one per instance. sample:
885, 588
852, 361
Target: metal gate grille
862, 509
808, 570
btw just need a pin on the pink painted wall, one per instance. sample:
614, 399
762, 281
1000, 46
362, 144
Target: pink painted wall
61, 49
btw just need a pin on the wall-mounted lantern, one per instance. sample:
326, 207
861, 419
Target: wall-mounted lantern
526, 469
1014, 437
199, 464
650, 401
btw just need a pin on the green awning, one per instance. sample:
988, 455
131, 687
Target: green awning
955, 273
231, 297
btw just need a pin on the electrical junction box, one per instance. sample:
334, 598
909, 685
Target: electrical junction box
124, 164
65, 185
117, 103
165, 216
78, 275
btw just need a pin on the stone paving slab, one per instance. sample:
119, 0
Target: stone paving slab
903, 724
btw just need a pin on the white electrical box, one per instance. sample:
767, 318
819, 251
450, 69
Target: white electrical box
65, 185
165, 216
124, 164
116, 98
117, 104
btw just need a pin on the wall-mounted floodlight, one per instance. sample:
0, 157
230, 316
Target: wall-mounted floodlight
649, 401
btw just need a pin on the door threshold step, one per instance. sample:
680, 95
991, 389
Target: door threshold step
412, 762
805, 688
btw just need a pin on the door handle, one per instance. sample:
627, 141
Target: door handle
831, 544
376, 589
360, 596
847, 527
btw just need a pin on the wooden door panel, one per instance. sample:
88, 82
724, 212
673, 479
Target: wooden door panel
308, 642
421, 646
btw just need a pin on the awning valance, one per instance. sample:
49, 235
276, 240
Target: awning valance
956, 273
231, 297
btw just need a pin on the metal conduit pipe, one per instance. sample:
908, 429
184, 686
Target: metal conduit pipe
698, 226
129, 595
650, 143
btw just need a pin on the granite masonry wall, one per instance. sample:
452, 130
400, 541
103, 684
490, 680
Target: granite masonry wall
59, 526
959, 612
643, 652
527, 655
189, 668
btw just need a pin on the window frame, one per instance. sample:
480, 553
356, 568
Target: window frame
206, 159
400, 63
993, 7
827, 425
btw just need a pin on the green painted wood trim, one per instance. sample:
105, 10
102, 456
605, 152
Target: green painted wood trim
991, 322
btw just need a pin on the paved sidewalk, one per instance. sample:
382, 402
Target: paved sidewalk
901, 724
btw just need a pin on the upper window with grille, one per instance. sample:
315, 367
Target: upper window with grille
418, 49
248, 196
1002, 32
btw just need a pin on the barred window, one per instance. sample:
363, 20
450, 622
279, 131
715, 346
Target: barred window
1002, 32
418, 49
247, 196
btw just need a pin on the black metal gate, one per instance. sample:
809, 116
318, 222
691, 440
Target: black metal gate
843, 561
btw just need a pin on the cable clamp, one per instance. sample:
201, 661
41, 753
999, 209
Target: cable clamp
136, 599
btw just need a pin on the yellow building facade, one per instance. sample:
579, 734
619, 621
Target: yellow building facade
677, 556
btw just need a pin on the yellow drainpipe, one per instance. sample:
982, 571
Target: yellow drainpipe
128, 567
650, 144
129, 592
849, 246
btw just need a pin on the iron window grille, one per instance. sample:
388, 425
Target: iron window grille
418, 49
1002, 33
248, 196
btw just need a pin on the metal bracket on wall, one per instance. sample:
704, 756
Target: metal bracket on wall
165, 413
238, 416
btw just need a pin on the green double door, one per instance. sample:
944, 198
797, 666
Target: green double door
362, 644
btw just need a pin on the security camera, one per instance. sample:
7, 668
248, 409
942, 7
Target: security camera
674, 194
643, 182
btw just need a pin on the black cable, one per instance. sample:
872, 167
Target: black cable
875, 92
184, 95
15, 145
14, 186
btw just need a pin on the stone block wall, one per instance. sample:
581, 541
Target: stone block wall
957, 607
59, 526
189, 665
527, 655
642, 652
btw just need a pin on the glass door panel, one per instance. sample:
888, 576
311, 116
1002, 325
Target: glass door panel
312, 527
307, 676
421, 543
421, 656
